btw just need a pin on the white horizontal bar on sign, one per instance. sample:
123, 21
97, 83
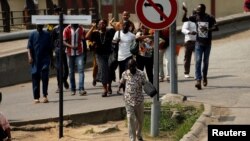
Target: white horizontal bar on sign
77, 19
42, 19
67, 19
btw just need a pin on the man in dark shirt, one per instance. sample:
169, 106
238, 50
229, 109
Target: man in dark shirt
205, 25
56, 39
39, 55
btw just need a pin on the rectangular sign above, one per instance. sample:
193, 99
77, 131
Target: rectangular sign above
67, 19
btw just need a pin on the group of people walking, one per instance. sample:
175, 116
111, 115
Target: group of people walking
42, 44
198, 34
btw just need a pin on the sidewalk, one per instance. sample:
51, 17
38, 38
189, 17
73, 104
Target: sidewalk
18, 104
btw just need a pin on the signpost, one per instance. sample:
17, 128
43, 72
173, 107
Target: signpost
61, 19
157, 15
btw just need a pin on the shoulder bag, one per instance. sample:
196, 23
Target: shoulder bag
134, 48
150, 89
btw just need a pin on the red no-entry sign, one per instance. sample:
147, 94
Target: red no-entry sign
157, 14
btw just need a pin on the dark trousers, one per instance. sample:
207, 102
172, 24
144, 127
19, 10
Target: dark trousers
65, 68
36, 78
146, 62
189, 49
123, 65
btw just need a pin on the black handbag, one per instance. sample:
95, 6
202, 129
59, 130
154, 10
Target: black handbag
134, 48
150, 89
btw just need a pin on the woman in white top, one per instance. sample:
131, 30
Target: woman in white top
125, 40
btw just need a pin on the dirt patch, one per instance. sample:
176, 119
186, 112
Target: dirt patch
81, 132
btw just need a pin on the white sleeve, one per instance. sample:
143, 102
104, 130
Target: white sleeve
185, 30
138, 34
116, 36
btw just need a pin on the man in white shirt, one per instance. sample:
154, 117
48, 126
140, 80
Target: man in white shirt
189, 30
125, 40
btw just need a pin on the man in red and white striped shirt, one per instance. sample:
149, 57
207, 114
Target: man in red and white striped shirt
73, 36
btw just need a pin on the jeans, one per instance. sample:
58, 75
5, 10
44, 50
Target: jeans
135, 116
201, 50
79, 62
36, 78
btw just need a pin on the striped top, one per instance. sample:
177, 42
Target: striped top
74, 37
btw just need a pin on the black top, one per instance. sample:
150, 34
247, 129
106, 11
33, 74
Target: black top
203, 36
103, 41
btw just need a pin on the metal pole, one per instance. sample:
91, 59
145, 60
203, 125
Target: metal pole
173, 66
61, 78
100, 8
115, 14
155, 107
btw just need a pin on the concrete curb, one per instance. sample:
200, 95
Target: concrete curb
95, 117
199, 125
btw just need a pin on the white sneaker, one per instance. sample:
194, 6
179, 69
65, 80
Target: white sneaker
186, 76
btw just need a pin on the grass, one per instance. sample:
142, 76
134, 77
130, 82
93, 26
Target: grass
175, 120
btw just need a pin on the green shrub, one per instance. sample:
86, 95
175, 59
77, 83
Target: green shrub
173, 127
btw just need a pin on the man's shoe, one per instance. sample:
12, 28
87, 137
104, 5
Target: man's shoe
66, 85
104, 94
82, 93
45, 100
198, 84
187, 76
73, 93
36, 101
205, 82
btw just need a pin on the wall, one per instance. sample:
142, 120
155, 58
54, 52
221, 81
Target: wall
228, 7
14, 69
